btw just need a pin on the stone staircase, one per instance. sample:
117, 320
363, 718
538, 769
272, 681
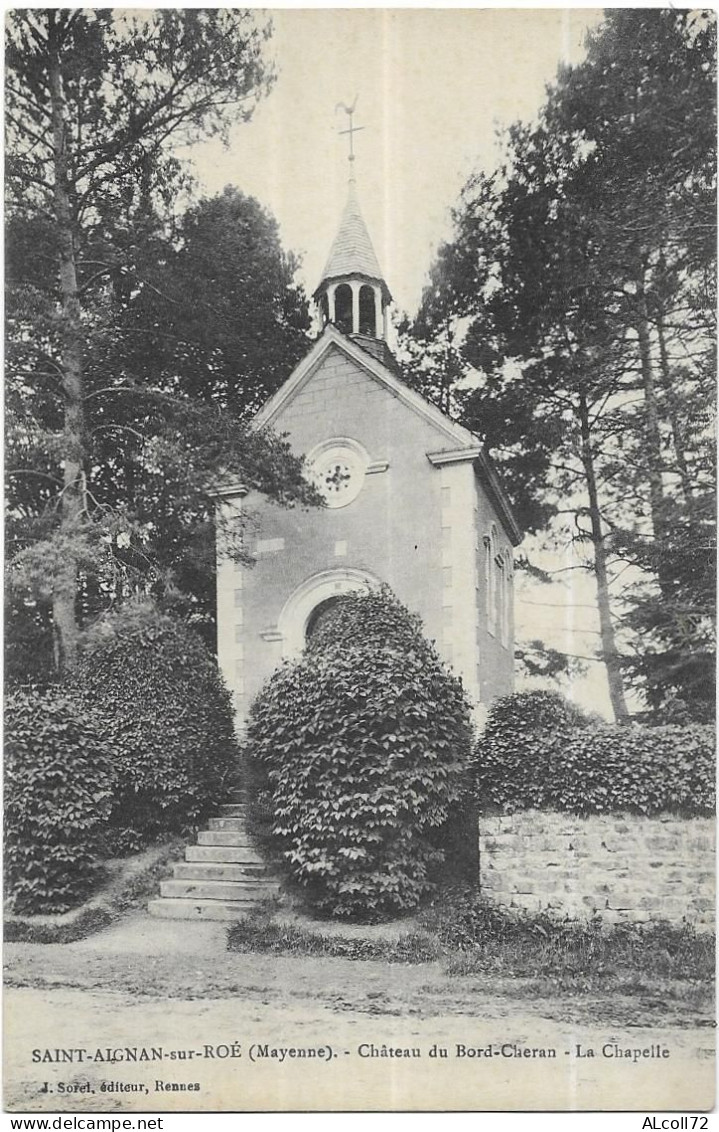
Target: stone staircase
221, 878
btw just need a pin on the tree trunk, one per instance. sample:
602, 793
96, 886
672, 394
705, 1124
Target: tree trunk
72, 502
610, 654
677, 438
652, 431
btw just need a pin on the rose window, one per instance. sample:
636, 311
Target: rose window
338, 478
338, 469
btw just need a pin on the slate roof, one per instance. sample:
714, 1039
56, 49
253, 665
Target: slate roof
352, 252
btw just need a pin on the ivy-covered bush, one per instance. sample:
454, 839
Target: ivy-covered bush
167, 717
526, 712
522, 731
360, 752
58, 797
538, 752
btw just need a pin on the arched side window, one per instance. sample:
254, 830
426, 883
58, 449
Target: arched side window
507, 597
367, 318
343, 308
491, 579
500, 595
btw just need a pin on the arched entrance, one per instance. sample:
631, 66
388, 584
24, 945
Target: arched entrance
304, 608
318, 613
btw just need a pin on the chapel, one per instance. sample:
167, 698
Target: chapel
411, 500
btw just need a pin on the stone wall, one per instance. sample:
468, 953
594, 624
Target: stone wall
623, 868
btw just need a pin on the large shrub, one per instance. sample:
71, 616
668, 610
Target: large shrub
167, 717
538, 752
360, 752
58, 796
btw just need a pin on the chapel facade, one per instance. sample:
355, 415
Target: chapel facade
411, 501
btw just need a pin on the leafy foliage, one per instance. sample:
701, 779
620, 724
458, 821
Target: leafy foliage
482, 938
166, 715
58, 797
134, 335
534, 658
578, 292
87, 922
259, 932
172, 373
212, 309
360, 752
473, 937
537, 753
675, 661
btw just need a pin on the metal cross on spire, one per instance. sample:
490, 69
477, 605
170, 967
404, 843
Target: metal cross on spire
352, 129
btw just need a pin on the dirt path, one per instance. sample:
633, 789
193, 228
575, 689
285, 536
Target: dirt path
353, 1073
175, 990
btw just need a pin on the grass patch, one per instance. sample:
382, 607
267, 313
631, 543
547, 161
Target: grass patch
473, 938
478, 937
85, 922
260, 932
131, 882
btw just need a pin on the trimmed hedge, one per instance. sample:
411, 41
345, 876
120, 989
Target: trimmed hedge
533, 755
167, 717
58, 797
359, 753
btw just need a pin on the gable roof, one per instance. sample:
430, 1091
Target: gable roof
352, 252
460, 443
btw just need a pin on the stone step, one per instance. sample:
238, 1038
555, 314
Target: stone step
246, 891
236, 837
184, 909
223, 854
233, 809
209, 870
233, 823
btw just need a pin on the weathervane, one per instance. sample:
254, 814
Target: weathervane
352, 130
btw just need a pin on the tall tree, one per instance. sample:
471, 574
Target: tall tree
213, 309
96, 103
582, 271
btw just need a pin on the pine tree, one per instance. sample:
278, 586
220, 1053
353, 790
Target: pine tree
582, 275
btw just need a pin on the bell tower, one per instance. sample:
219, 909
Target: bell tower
352, 293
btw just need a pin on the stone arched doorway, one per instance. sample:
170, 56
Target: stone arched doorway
318, 613
303, 609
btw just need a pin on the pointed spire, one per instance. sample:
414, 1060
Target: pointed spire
352, 253
352, 293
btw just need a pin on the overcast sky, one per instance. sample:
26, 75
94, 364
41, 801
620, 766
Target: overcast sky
433, 86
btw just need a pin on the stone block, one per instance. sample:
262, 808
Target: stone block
703, 904
549, 886
594, 901
674, 909
708, 878
661, 842
613, 844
